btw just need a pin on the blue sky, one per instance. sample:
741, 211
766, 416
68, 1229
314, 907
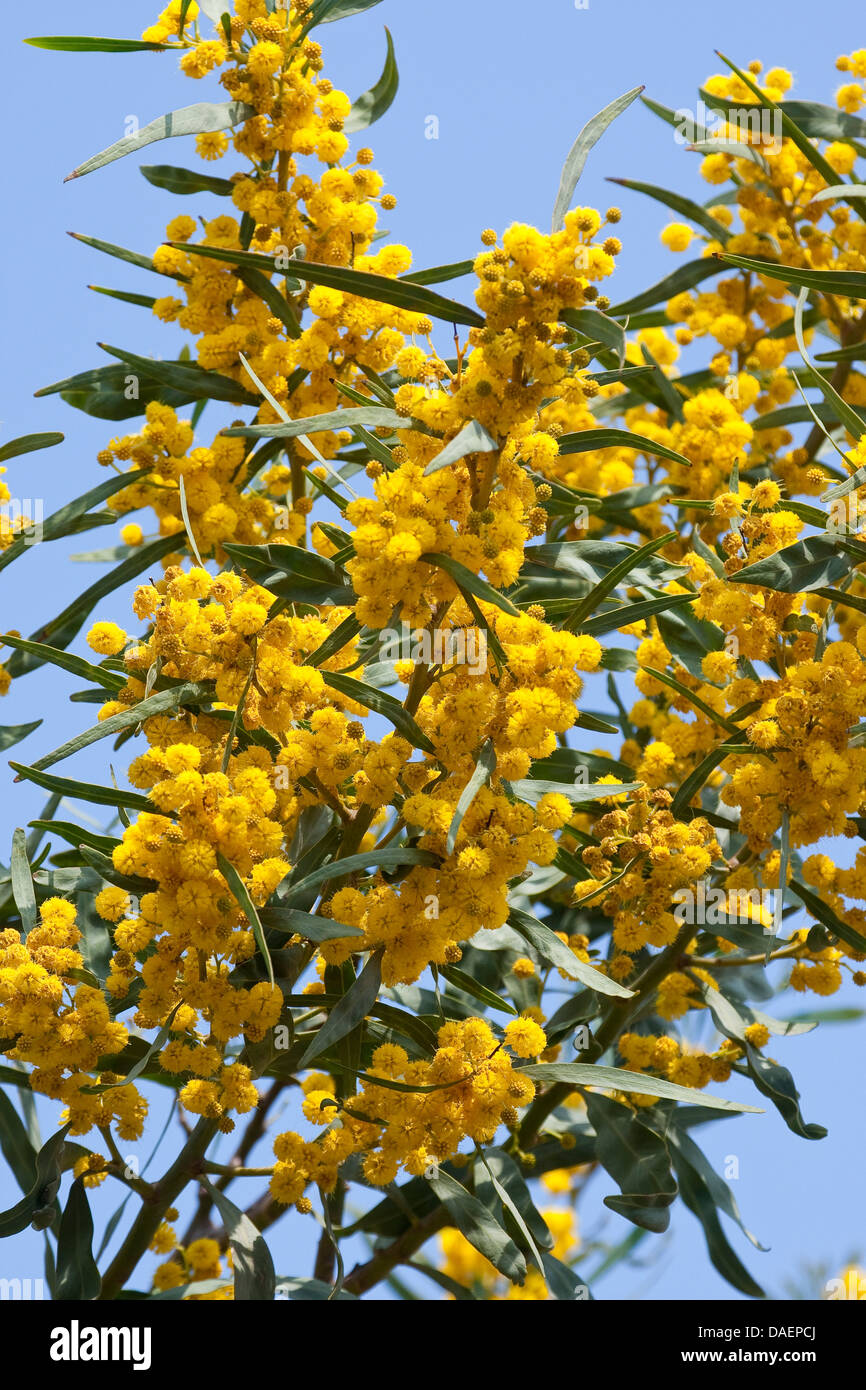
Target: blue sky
509, 86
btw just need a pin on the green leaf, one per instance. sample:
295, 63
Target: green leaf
808, 564
473, 1219
595, 325
683, 1146
702, 1199
353, 1008
291, 919
789, 126
175, 180
200, 118
39, 1203
437, 273
327, 11
391, 858
239, 892
692, 784
548, 945
77, 834
270, 294
62, 522
685, 277
78, 1276
312, 1290
26, 443
187, 378
70, 43
159, 703
825, 122
844, 413
365, 284
481, 775
467, 579
638, 1161
618, 1079
301, 576
822, 912
23, 891
588, 441
109, 680
849, 283
254, 1277
84, 791
16, 1145
374, 415
14, 733
631, 560
371, 105
67, 624
533, 789
383, 704
632, 612
488, 997
772, 1080
120, 253
577, 155
684, 206
342, 634
143, 301
472, 439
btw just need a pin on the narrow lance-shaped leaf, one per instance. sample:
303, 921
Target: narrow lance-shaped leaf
479, 1226
254, 1277
466, 578
15, 1143
26, 443
472, 439
83, 791
39, 1203
383, 704
67, 661
22, 882
849, 283
588, 441
772, 1080
374, 103
351, 1011
366, 284
577, 155
175, 180
78, 1276
620, 1079
684, 206
548, 945
391, 858
61, 522
10, 734
481, 774
72, 43
201, 118
160, 703
240, 893
685, 277
701, 1200
638, 1161
188, 377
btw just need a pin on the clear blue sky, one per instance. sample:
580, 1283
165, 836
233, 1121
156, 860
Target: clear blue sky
510, 85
